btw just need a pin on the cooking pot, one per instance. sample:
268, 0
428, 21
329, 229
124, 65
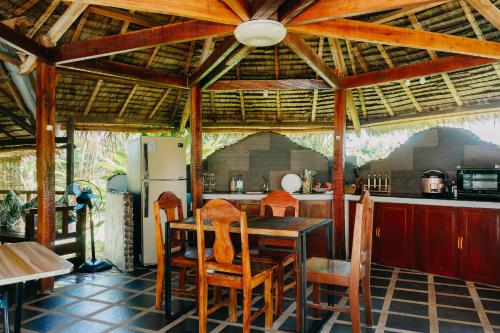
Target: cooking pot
434, 182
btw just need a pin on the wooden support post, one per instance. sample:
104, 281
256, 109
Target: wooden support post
196, 149
45, 157
70, 151
338, 172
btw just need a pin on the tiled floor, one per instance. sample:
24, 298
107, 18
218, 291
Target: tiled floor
403, 301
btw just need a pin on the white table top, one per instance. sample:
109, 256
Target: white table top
26, 261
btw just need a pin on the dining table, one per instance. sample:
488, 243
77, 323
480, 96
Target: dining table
295, 228
22, 262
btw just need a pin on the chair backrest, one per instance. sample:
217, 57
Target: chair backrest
279, 201
170, 204
362, 238
221, 214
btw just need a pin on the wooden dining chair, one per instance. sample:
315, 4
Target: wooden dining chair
349, 274
280, 203
225, 270
183, 257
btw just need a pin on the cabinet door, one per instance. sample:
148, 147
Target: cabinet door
393, 232
480, 245
438, 245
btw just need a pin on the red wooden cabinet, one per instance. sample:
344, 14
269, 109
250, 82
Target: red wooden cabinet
393, 241
438, 230
479, 245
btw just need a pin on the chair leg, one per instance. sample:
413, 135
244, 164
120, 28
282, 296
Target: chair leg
268, 297
247, 309
279, 289
316, 299
367, 300
354, 308
160, 283
196, 287
217, 294
202, 307
233, 306
182, 278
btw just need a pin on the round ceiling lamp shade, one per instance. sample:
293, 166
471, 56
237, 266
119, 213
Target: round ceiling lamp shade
260, 33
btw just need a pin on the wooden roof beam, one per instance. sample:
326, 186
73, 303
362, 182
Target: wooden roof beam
41, 20
316, 92
262, 9
306, 53
123, 15
207, 10
430, 67
488, 10
291, 9
364, 66
405, 11
446, 78
476, 28
338, 59
406, 89
323, 10
239, 7
383, 34
22, 43
284, 84
65, 21
159, 103
125, 71
354, 72
137, 40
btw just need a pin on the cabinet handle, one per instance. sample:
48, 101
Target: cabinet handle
458, 243
461, 242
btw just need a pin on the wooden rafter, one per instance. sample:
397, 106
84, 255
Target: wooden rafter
323, 10
176, 106
406, 89
10, 58
18, 121
476, 28
132, 72
354, 72
399, 13
338, 59
316, 92
41, 20
93, 97
25, 7
208, 10
430, 67
185, 114
137, 40
65, 21
292, 9
384, 34
488, 10
306, 53
446, 78
239, 7
80, 26
262, 9
242, 95
22, 43
123, 15
284, 84
364, 66
159, 103
187, 67
18, 98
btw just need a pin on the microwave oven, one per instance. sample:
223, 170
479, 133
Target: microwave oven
478, 183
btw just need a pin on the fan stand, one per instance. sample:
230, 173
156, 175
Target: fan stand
93, 265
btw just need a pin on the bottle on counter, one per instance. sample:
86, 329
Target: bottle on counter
232, 185
454, 189
239, 184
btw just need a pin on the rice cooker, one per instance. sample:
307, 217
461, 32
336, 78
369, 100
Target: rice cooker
434, 183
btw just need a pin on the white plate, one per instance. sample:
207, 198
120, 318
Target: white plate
291, 183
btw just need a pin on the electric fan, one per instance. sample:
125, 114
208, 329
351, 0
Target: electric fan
88, 195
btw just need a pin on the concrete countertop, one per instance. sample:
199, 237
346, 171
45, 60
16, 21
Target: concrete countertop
430, 201
255, 196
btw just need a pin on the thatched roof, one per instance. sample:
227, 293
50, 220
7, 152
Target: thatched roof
146, 106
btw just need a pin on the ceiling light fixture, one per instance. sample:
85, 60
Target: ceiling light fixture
260, 33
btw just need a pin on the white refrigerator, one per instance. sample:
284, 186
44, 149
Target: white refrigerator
155, 165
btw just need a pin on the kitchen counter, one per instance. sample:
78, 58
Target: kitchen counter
255, 196
416, 200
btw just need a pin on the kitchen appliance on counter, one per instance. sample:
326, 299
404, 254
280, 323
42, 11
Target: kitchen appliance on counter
155, 165
434, 183
478, 183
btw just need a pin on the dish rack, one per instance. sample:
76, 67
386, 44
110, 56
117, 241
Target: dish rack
379, 182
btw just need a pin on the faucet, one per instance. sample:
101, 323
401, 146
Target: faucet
265, 187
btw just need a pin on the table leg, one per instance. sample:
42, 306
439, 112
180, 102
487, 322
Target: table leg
329, 244
19, 306
302, 283
168, 272
4, 306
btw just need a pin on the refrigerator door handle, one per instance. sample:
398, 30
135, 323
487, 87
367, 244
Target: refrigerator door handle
146, 199
146, 160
